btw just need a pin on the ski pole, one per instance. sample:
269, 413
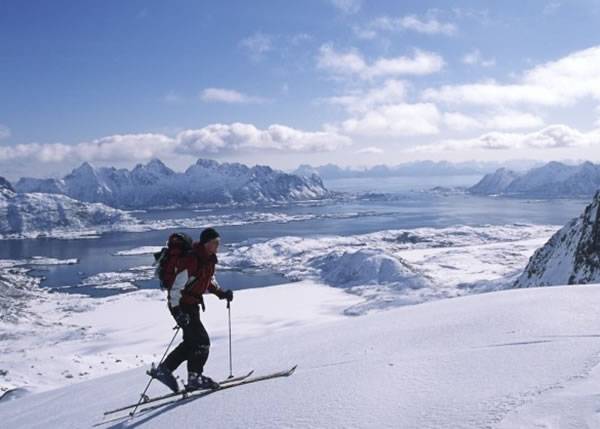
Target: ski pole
230, 365
143, 395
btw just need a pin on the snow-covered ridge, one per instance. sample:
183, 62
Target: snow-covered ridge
39, 214
155, 185
571, 256
553, 180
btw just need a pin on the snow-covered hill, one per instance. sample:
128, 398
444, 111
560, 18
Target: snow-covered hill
39, 214
553, 180
571, 256
154, 184
514, 359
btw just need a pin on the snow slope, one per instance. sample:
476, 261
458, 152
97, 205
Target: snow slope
570, 256
520, 358
154, 184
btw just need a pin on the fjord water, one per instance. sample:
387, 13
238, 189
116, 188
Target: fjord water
363, 212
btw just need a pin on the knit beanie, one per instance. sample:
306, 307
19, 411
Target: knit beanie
208, 234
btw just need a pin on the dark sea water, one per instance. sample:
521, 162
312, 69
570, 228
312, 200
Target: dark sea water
404, 205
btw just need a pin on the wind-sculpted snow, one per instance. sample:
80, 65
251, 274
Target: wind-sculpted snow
571, 256
155, 185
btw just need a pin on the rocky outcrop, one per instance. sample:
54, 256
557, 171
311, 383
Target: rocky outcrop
571, 256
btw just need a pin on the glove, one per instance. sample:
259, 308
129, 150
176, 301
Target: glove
225, 294
182, 319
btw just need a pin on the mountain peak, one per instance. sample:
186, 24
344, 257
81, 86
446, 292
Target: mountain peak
155, 166
207, 163
84, 168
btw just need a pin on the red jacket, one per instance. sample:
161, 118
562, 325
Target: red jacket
195, 276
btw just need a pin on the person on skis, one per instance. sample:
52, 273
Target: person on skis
194, 277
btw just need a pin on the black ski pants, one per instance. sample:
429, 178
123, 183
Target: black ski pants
195, 345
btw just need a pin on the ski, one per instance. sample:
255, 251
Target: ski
174, 394
194, 394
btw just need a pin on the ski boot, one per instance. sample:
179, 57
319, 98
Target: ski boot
166, 377
200, 382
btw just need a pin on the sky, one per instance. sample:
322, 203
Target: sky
350, 82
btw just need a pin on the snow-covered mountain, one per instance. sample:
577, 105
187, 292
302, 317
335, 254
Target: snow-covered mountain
154, 184
553, 180
35, 214
415, 168
571, 256
494, 183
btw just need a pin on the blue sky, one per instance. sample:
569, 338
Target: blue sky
283, 83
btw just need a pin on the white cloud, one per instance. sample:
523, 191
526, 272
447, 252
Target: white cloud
227, 138
223, 95
460, 122
555, 83
370, 150
394, 120
551, 137
391, 92
4, 132
499, 120
134, 147
347, 6
257, 45
492, 93
429, 24
475, 58
352, 62
426, 25
215, 139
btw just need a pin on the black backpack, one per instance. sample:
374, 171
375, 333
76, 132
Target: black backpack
178, 245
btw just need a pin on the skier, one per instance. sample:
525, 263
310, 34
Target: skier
195, 276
